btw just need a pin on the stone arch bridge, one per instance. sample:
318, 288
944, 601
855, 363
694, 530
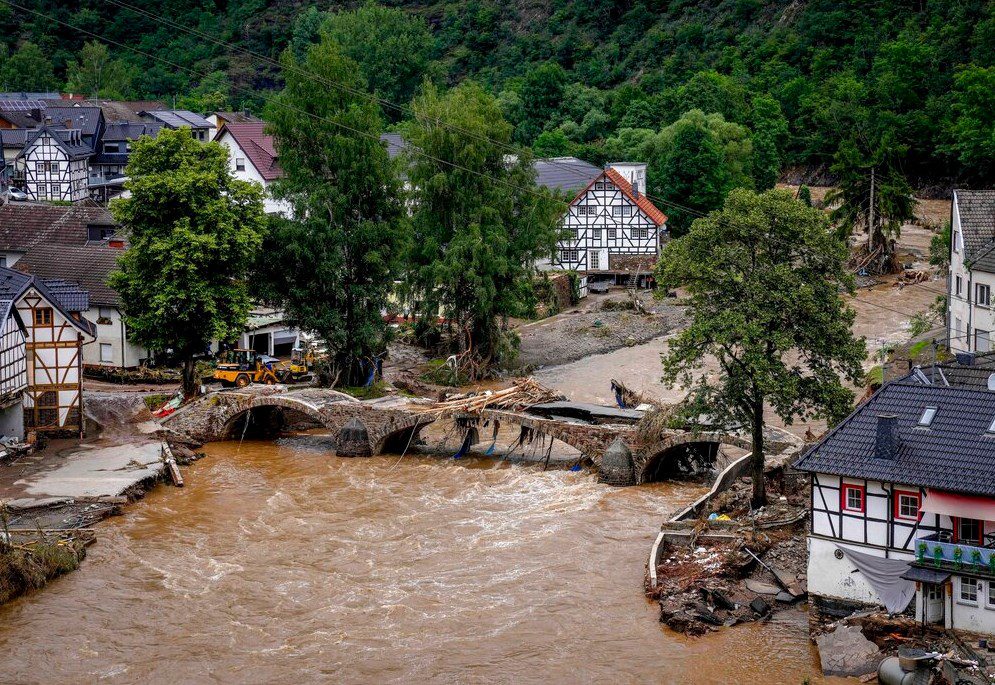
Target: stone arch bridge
363, 428
369, 427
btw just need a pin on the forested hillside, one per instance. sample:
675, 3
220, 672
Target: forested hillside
905, 85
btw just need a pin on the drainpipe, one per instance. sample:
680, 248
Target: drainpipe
124, 359
970, 306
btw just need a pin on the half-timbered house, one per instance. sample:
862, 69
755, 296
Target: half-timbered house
13, 371
55, 334
612, 230
903, 505
56, 164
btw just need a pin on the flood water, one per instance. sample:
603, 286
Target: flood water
278, 563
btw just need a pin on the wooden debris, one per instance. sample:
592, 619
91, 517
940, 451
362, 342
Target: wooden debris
171, 466
523, 393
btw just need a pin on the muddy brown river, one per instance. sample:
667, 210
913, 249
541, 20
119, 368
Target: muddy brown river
278, 563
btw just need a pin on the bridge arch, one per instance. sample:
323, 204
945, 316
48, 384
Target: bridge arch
678, 452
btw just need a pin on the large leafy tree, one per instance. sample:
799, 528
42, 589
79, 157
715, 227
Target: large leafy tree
392, 48
28, 69
95, 73
194, 231
332, 266
480, 223
972, 126
764, 275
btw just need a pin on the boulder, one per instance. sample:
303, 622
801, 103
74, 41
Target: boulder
616, 465
846, 652
353, 440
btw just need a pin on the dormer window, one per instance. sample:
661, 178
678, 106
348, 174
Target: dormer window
928, 414
991, 427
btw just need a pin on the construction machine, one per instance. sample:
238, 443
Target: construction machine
238, 368
300, 367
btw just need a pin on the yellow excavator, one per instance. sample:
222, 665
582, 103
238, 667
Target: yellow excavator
300, 368
238, 368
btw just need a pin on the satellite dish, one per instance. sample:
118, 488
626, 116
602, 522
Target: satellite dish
991, 382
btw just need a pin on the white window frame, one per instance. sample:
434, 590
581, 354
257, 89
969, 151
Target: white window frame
928, 416
901, 513
990, 596
982, 294
966, 583
109, 350
958, 285
982, 336
594, 259
626, 210
640, 233
569, 255
612, 233
616, 211
240, 164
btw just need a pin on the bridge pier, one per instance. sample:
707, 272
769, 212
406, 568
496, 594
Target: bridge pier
353, 440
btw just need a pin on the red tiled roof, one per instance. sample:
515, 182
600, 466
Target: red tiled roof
643, 202
258, 146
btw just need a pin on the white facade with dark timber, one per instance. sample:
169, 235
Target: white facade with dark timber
971, 283
13, 372
611, 227
56, 165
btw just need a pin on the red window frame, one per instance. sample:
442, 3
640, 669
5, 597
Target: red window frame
898, 510
955, 520
844, 488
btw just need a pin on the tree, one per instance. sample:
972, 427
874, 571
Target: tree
193, 233
332, 266
95, 74
392, 48
542, 96
769, 133
212, 94
863, 176
480, 222
972, 129
28, 69
764, 276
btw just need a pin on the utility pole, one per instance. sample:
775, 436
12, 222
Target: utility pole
870, 220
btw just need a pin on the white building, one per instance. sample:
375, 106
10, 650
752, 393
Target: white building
613, 231
903, 505
252, 156
13, 371
56, 164
971, 287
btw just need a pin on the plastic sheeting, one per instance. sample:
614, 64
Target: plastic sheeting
885, 576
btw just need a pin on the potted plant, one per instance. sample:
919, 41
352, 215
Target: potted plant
976, 557
937, 555
921, 551
958, 557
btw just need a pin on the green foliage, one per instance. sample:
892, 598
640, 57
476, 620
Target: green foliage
972, 130
764, 275
212, 94
478, 229
939, 247
94, 73
805, 195
193, 231
332, 266
542, 96
392, 49
27, 68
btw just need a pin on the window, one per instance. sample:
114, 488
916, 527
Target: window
991, 594
43, 316
991, 426
640, 233
569, 255
596, 233
600, 185
239, 164
3, 261
105, 313
626, 210
53, 166
112, 147
969, 590
928, 414
106, 352
907, 505
852, 498
99, 232
609, 186
616, 211
40, 167
982, 341
967, 531
982, 295
612, 233
594, 259
958, 242
958, 284
56, 191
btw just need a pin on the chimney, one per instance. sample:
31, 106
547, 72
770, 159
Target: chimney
48, 121
36, 114
115, 243
886, 440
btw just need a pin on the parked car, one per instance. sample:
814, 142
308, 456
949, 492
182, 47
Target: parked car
18, 195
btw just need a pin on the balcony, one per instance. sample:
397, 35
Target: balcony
938, 551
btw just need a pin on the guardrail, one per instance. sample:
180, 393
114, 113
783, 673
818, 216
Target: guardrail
932, 550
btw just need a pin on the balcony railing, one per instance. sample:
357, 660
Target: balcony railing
934, 550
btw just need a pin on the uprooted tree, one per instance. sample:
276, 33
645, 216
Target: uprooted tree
479, 222
763, 275
193, 233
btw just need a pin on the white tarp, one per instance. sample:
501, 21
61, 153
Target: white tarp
885, 576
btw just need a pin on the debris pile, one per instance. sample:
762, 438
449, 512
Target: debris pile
522, 393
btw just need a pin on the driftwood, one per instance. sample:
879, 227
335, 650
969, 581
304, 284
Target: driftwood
523, 393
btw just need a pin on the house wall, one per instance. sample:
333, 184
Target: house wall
975, 616
250, 173
67, 180
970, 326
122, 352
54, 398
604, 222
13, 361
12, 421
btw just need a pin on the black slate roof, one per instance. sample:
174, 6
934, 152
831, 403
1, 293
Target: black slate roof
86, 119
956, 453
13, 284
976, 210
567, 174
130, 130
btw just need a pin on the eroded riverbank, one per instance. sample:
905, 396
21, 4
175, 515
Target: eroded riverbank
280, 563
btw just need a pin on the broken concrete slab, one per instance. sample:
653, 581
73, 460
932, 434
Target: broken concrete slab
761, 588
846, 652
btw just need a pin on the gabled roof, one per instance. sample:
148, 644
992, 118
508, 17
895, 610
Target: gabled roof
395, 142
13, 138
70, 142
178, 118
127, 110
566, 174
7, 309
257, 146
130, 130
236, 117
13, 285
955, 453
640, 200
85, 118
976, 211
83, 268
